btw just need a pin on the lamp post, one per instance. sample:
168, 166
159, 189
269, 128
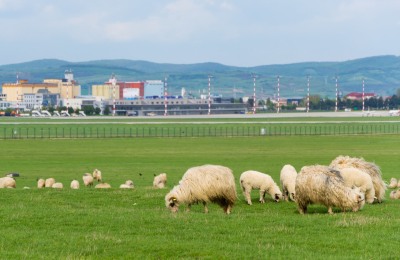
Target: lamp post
363, 95
336, 93
254, 93
308, 93
113, 83
278, 89
165, 97
209, 94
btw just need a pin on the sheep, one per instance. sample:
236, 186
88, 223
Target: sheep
74, 185
257, 180
323, 185
395, 194
372, 169
361, 179
97, 175
49, 182
288, 182
87, 179
393, 183
127, 185
103, 185
160, 181
57, 185
206, 183
40, 183
7, 182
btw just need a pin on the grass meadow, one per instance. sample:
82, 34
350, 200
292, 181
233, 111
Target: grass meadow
135, 224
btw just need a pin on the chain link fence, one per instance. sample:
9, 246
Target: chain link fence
73, 132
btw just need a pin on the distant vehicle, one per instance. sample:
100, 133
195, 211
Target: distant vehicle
151, 114
65, 113
133, 113
36, 113
394, 113
45, 113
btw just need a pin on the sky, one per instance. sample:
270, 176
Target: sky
241, 33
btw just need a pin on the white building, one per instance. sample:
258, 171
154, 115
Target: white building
32, 101
153, 88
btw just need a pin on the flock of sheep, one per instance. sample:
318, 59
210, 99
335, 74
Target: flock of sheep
88, 180
347, 183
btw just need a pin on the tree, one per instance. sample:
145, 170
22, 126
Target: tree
97, 111
70, 110
106, 110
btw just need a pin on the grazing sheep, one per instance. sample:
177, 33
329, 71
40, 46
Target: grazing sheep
127, 185
40, 183
97, 175
49, 182
323, 185
257, 180
87, 179
393, 183
57, 185
355, 177
103, 185
160, 181
74, 185
372, 169
288, 182
206, 183
395, 194
7, 182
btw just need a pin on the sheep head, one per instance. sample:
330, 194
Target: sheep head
172, 204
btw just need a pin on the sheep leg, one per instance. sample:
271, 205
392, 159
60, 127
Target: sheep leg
262, 196
302, 209
330, 211
205, 207
247, 196
227, 209
188, 207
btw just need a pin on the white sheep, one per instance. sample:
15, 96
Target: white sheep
393, 183
57, 185
160, 181
49, 182
87, 179
257, 180
127, 185
97, 175
288, 182
7, 182
356, 177
40, 183
103, 185
206, 183
372, 169
74, 185
323, 185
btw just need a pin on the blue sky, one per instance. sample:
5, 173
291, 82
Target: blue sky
231, 32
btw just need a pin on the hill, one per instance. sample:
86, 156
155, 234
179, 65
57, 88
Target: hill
381, 74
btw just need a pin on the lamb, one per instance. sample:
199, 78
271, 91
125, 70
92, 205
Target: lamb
160, 181
74, 185
49, 182
356, 177
206, 183
372, 169
40, 183
7, 182
97, 175
103, 185
393, 183
323, 185
87, 179
57, 185
127, 185
288, 182
395, 194
257, 180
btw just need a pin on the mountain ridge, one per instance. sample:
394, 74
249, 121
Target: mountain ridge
380, 73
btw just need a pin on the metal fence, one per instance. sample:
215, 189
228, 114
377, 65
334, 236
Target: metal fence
72, 132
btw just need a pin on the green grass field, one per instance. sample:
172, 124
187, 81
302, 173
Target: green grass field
126, 224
